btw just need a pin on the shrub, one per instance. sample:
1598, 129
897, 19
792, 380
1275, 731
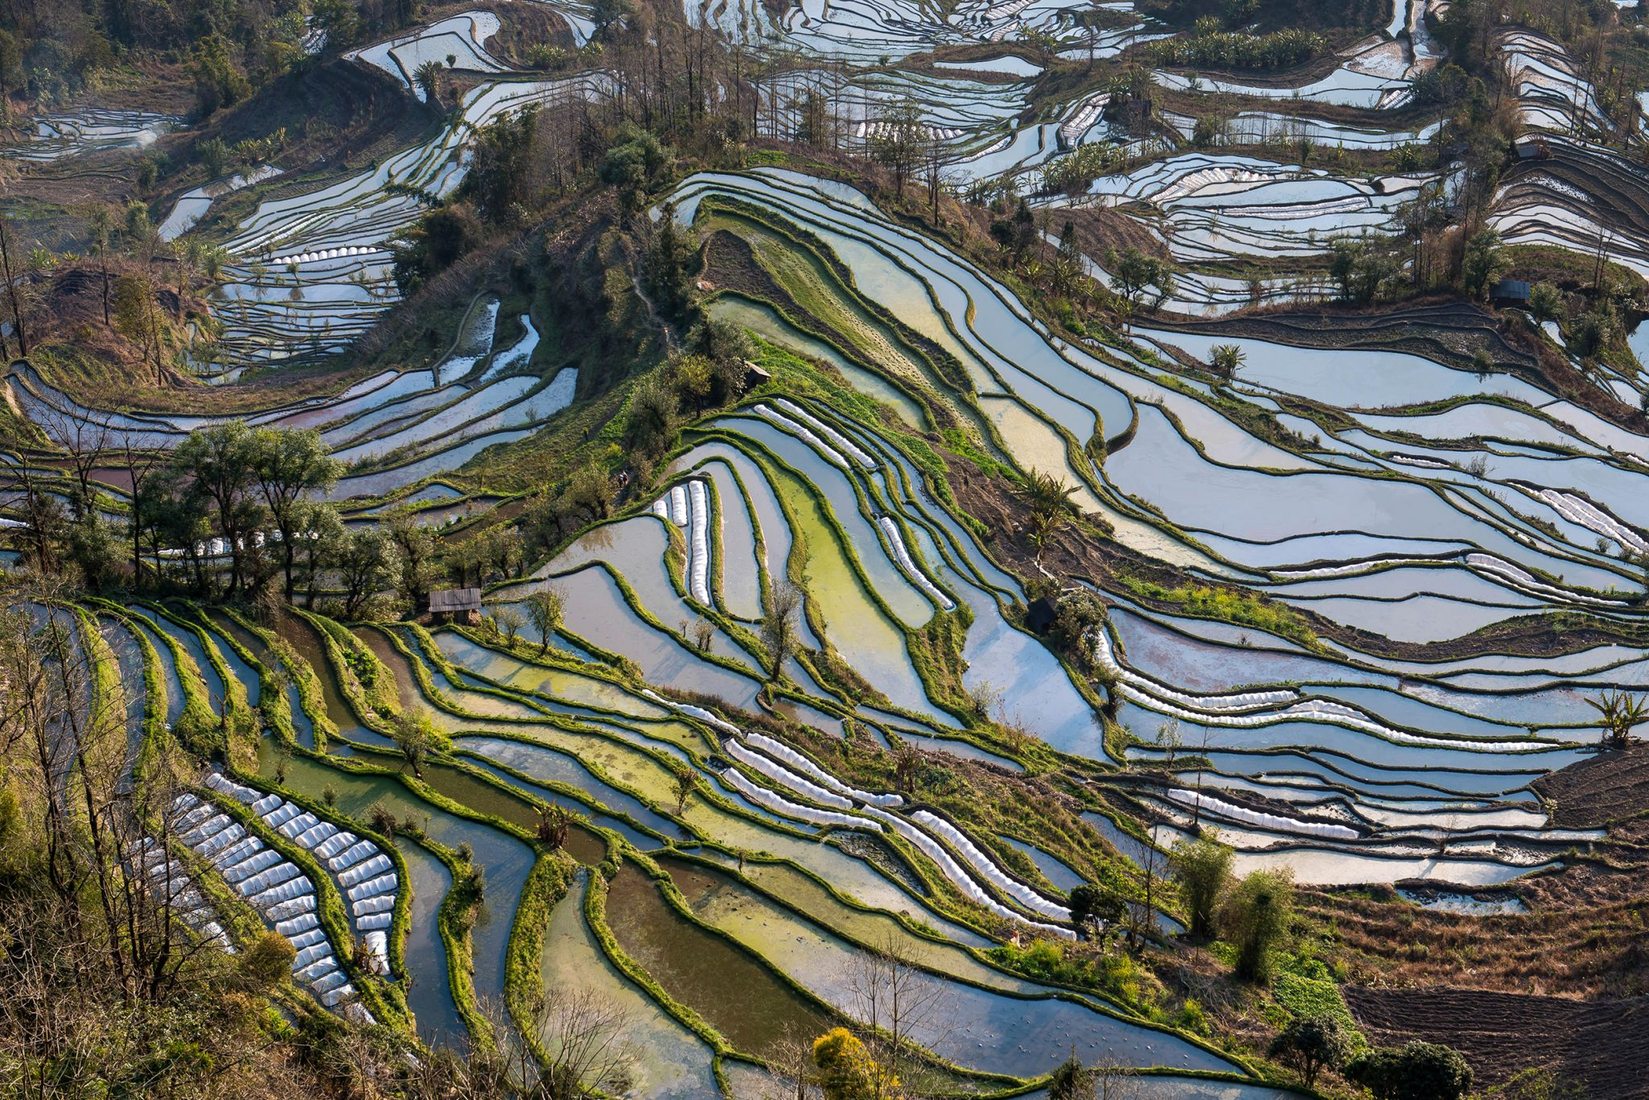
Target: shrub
1193, 1017
1545, 302
846, 1069
1074, 172
1418, 1071
1311, 1044
1095, 907
266, 962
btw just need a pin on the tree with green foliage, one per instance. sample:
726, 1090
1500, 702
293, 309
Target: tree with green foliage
338, 20
1228, 358
695, 377
589, 492
414, 545
137, 317
320, 533
634, 165
1210, 47
219, 463
671, 267
1049, 499
219, 80
364, 562
545, 610
1095, 907
1256, 918
1481, 264
1361, 267
1016, 234
501, 179
433, 243
416, 738
1311, 1044
1078, 612
1208, 131
12, 72
289, 466
1417, 1071
846, 1069
1595, 330
1070, 1080
1545, 302
554, 820
654, 415
1065, 270
1076, 171
428, 78
609, 16
1134, 272
721, 341
726, 347
1202, 869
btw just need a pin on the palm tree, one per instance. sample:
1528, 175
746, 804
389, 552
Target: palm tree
428, 78
1620, 714
1049, 499
1228, 358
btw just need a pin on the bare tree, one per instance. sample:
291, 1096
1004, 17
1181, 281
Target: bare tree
142, 467
86, 436
582, 1036
13, 278
64, 748
792, 1074
1113, 1080
43, 520
683, 782
902, 1007
570, 1044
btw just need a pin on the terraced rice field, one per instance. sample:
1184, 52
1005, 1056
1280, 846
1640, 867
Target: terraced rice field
295, 841
1356, 600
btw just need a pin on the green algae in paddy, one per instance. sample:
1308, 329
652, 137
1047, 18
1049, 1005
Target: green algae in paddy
303, 728
303, 638
570, 687
741, 998
858, 628
974, 1027
508, 805
666, 1060
553, 765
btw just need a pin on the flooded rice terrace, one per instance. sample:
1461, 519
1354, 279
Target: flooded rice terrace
830, 698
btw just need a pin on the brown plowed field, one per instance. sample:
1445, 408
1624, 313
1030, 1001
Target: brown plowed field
1608, 787
1602, 1045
